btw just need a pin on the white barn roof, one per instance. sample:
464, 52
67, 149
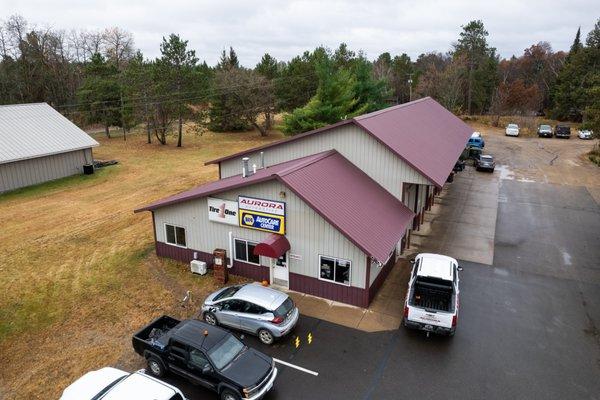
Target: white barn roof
37, 130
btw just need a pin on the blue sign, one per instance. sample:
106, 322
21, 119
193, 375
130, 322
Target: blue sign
262, 221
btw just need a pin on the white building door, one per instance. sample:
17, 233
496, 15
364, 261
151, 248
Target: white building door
280, 272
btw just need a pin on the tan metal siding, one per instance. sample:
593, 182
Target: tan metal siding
308, 233
38, 170
362, 149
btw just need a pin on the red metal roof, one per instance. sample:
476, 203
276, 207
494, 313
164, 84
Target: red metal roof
423, 133
274, 246
346, 197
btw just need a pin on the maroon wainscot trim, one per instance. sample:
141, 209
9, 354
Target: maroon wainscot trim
255, 272
332, 291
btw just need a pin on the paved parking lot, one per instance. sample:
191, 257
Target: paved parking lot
528, 326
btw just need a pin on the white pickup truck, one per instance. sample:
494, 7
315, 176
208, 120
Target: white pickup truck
114, 384
431, 302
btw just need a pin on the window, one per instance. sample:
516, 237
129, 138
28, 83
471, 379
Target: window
233, 305
251, 308
244, 251
335, 270
178, 350
175, 235
198, 359
224, 352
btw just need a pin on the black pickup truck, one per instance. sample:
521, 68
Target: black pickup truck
205, 355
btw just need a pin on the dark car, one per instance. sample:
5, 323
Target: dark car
544, 131
205, 355
562, 131
485, 163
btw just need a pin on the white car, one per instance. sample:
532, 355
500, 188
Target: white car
476, 134
113, 384
585, 134
431, 301
512, 130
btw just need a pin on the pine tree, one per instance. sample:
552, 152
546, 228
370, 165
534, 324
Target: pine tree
100, 94
576, 46
481, 61
177, 64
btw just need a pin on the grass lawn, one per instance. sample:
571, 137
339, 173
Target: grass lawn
77, 266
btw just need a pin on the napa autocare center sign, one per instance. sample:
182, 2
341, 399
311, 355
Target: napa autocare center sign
223, 211
261, 214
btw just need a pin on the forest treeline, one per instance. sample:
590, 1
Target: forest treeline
98, 77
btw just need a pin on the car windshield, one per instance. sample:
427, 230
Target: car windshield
486, 158
284, 308
227, 292
225, 351
513, 126
545, 127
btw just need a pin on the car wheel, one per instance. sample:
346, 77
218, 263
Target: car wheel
229, 395
265, 336
155, 367
211, 319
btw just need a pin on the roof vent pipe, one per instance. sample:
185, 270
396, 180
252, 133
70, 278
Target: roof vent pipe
262, 159
245, 170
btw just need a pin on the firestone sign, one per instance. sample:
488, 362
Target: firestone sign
223, 211
261, 214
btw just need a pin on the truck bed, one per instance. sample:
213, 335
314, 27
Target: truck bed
432, 295
154, 335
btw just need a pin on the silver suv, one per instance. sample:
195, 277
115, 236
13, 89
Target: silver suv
259, 310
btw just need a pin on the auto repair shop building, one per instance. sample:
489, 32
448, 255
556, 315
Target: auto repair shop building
326, 212
409, 149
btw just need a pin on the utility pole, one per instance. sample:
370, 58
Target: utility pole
410, 82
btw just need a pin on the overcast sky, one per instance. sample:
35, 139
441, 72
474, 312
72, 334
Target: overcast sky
287, 28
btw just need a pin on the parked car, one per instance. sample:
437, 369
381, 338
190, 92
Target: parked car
476, 142
544, 131
585, 134
432, 301
205, 355
512, 130
253, 308
562, 131
485, 163
113, 384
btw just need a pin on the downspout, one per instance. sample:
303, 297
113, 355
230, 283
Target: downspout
230, 236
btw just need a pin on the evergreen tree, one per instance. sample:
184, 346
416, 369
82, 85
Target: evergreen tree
268, 68
573, 93
481, 65
371, 93
222, 115
576, 46
297, 82
177, 65
334, 101
100, 94
593, 38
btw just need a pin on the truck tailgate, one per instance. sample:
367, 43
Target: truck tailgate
435, 318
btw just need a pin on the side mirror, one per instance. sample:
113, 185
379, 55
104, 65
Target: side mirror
412, 261
459, 268
207, 369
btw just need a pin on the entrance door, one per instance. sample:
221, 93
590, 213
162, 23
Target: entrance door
280, 270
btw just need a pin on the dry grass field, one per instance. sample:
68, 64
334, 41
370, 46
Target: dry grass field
78, 274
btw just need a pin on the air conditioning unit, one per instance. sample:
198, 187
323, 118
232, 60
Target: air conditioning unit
198, 267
